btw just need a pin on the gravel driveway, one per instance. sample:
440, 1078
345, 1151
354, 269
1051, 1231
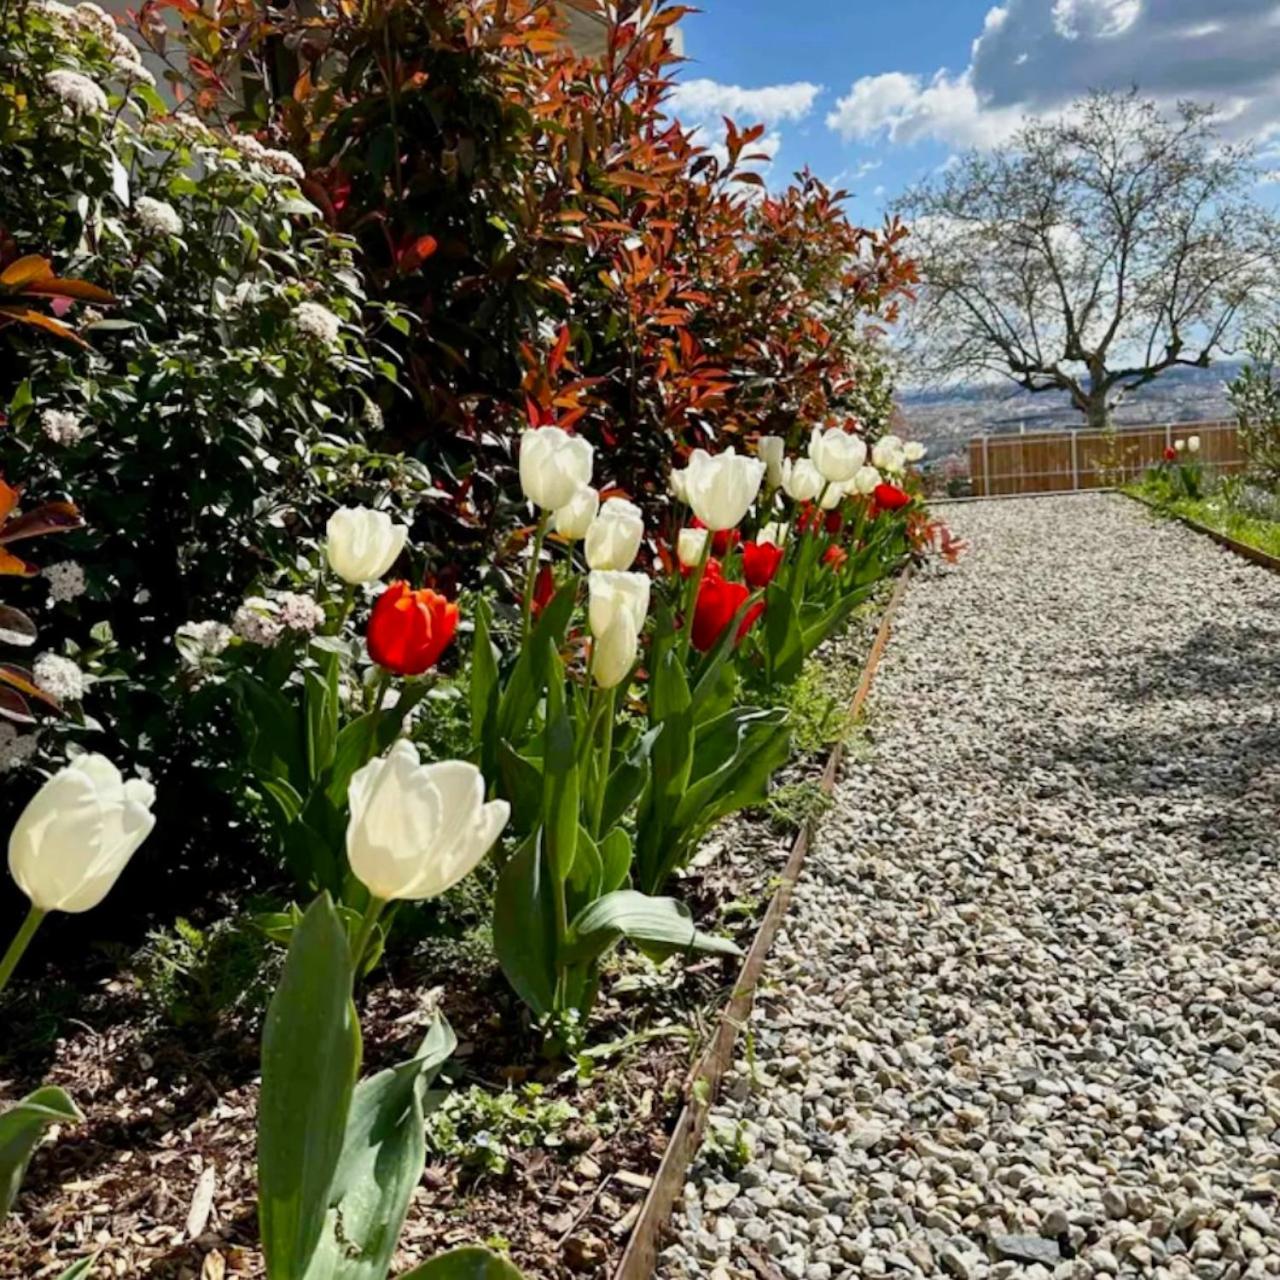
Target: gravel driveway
1024, 1017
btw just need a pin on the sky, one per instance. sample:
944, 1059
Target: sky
874, 95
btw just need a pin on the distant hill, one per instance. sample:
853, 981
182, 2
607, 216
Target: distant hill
945, 418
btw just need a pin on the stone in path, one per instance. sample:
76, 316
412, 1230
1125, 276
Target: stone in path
1024, 1016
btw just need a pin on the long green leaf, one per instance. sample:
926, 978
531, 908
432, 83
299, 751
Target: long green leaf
560, 799
310, 1059
353, 746
472, 1263
659, 926
20, 1129
483, 688
524, 930
80, 1270
530, 675
627, 781
784, 641
615, 860
383, 1156
521, 787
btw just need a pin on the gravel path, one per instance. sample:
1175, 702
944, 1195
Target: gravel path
1024, 1018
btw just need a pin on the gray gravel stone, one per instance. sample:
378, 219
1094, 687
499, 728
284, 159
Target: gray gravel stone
1027, 989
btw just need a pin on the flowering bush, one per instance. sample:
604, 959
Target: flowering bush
203, 419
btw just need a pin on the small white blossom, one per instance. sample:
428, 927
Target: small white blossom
315, 321
371, 415
16, 748
93, 17
199, 640
283, 163
299, 612
132, 72
157, 217
124, 47
193, 130
62, 426
76, 91
90, 315
255, 621
66, 581
55, 9
60, 678
248, 146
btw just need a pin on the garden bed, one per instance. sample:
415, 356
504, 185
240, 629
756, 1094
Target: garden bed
551, 1161
1255, 539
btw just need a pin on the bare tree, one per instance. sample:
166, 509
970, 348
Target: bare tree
1091, 253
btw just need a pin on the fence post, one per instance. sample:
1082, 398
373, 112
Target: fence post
1075, 462
986, 466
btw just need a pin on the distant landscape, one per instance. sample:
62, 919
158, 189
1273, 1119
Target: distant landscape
946, 418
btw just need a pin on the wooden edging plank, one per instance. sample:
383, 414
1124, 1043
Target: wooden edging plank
703, 1081
1242, 549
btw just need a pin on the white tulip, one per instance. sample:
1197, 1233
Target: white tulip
680, 478
574, 519
774, 533
771, 450
886, 450
611, 592
614, 651
1180, 445
417, 829
833, 495
865, 480
1193, 444
553, 466
913, 451
362, 544
721, 489
613, 541
691, 545
801, 480
837, 454
77, 834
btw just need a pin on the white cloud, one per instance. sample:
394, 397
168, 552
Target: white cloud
702, 100
1033, 57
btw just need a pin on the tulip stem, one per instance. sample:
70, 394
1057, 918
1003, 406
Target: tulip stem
531, 578
606, 754
361, 944
19, 944
344, 609
695, 585
375, 715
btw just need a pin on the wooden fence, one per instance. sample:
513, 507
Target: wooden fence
1063, 461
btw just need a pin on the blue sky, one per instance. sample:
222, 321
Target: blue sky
874, 94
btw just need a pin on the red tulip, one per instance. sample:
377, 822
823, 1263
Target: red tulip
409, 630
834, 558
544, 588
834, 522
718, 601
1170, 453
890, 498
760, 561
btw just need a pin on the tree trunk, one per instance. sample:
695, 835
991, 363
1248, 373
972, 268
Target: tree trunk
1098, 411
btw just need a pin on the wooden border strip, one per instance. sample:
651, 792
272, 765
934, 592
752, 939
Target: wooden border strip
703, 1081
1242, 549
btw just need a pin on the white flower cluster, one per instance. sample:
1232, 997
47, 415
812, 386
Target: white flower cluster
16, 748
199, 640
62, 426
66, 581
191, 129
77, 92
157, 217
281, 162
130, 71
317, 322
60, 678
299, 613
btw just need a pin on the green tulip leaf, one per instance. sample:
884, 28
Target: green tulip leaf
383, 1155
310, 1060
21, 1127
586, 877
532, 672
471, 1263
524, 931
521, 787
80, 1270
366, 737
627, 781
783, 639
560, 801
483, 688
658, 926
615, 860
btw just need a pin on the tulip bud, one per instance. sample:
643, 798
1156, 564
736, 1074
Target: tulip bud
553, 466
574, 519
77, 834
865, 480
890, 498
887, 454
416, 830
613, 541
614, 651
721, 489
913, 451
837, 454
1179, 445
801, 480
691, 546
362, 544
771, 450
1193, 444
611, 592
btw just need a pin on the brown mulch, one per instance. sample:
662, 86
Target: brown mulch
159, 1179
